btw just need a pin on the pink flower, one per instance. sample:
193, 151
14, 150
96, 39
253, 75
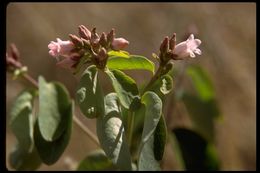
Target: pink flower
188, 48
119, 43
60, 47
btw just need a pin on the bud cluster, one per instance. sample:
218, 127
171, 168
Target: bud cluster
89, 45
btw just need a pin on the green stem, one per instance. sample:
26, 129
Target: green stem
130, 127
153, 79
75, 119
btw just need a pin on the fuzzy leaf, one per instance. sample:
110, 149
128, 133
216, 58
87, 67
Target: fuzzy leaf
126, 89
111, 134
53, 109
21, 120
51, 151
89, 93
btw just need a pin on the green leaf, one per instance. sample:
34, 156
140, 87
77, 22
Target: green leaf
153, 112
126, 89
162, 86
119, 53
147, 161
96, 161
24, 156
111, 134
21, 120
201, 81
198, 154
22, 160
160, 135
134, 62
51, 151
202, 114
53, 109
89, 93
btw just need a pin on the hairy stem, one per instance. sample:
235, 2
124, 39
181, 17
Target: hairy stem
75, 119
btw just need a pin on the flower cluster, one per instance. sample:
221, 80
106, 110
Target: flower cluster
169, 49
89, 46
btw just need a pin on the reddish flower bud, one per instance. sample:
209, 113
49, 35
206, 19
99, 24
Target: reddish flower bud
173, 41
103, 40
111, 35
164, 48
76, 40
94, 36
84, 32
119, 43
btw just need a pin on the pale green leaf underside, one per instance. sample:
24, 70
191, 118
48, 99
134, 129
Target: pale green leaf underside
111, 134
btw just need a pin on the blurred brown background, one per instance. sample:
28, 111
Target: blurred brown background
228, 34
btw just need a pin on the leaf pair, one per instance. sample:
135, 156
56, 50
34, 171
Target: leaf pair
45, 139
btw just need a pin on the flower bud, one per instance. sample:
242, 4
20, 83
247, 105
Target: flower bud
164, 48
86, 43
119, 43
76, 40
60, 47
102, 58
111, 35
84, 32
103, 40
102, 55
173, 41
94, 36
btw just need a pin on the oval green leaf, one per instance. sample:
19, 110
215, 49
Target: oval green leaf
126, 89
51, 151
160, 135
153, 113
53, 109
21, 120
89, 93
111, 134
96, 161
134, 62
120, 53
